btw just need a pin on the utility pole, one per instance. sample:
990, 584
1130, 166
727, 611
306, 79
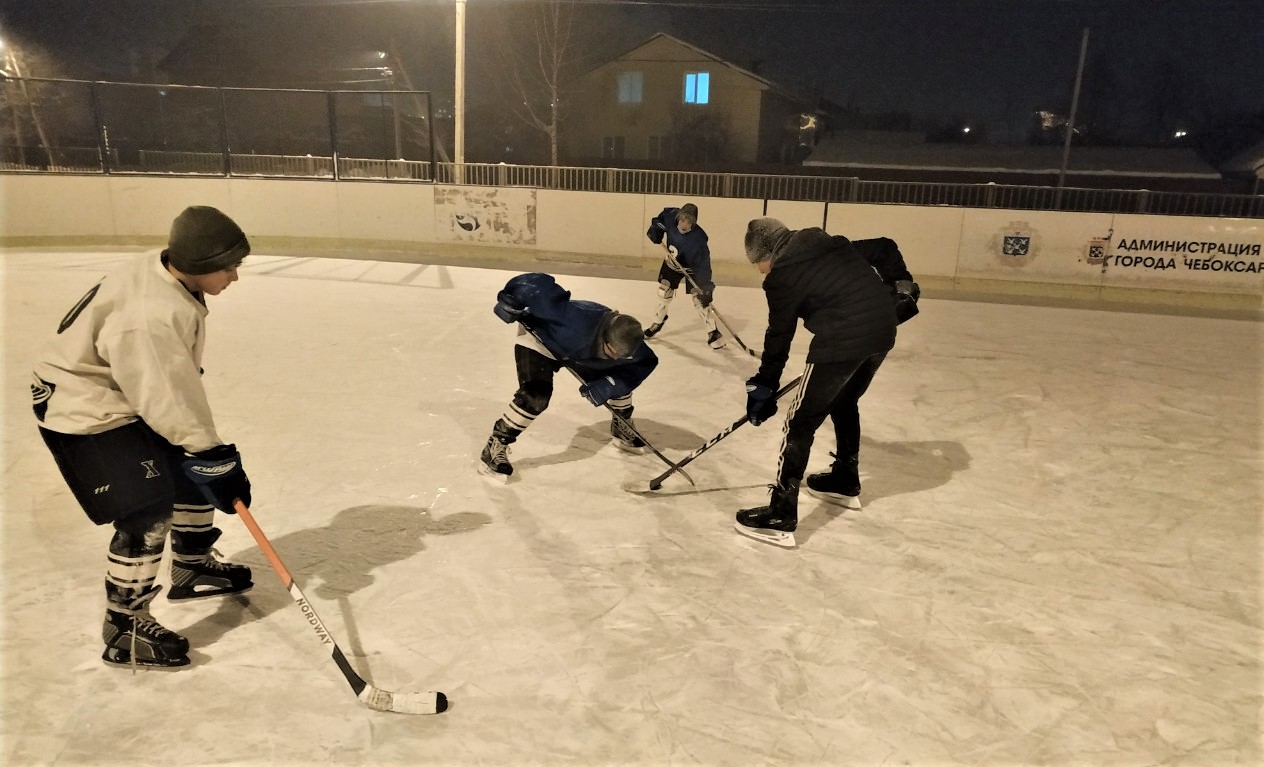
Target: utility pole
1075, 103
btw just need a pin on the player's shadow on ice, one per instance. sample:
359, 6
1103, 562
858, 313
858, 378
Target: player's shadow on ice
589, 440
887, 469
328, 563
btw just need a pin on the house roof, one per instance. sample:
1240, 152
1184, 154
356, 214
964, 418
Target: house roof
896, 150
707, 56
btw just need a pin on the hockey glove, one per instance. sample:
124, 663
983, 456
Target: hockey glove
704, 298
656, 232
218, 473
761, 404
599, 390
508, 308
906, 294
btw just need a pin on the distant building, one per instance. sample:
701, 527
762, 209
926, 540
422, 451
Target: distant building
907, 156
1247, 165
667, 100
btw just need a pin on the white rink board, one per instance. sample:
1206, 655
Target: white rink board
1030, 246
1036, 248
1186, 254
928, 237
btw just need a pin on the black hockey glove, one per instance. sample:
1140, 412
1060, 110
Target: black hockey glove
656, 232
218, 473
508, 308
761, 402
906, 294
704, 298
598, 390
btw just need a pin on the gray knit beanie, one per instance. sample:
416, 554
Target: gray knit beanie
204, 240
763, 235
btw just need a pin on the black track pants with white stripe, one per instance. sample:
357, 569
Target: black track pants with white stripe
830, 389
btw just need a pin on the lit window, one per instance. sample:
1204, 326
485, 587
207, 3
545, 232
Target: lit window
630, 86
697, 87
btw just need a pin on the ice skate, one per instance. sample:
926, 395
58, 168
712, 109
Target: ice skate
133, 638
653, 329
839, 486
625, 438
715, 340
196, 573
774, 523
494, 462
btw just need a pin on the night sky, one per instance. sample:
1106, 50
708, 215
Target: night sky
991, 60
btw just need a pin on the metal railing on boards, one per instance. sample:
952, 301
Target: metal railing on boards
676, 183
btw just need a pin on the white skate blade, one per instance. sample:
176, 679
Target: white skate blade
146, 665
494, 476
775, 537
625, 447
210, 593
838, 499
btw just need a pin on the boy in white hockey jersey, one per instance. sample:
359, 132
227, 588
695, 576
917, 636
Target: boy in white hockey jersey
120, 403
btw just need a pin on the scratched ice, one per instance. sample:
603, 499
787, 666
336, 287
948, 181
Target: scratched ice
1058, 560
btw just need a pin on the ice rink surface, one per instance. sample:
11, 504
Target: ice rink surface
1058, 559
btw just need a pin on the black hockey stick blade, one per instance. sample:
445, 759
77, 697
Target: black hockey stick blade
657, 482
374, 697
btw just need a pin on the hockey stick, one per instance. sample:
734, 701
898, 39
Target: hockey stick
671, 259
657, 482
373, 697
622, 421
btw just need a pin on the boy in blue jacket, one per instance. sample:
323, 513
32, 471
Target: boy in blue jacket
677, 230
605, 348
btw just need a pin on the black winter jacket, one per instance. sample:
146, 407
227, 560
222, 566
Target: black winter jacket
825, 281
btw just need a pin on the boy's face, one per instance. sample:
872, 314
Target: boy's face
608, 351
684, 224
213, 284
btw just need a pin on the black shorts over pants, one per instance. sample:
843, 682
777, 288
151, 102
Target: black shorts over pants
122, 472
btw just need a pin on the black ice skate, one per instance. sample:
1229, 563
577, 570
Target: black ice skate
624, 437
494, 462
652, 330
774, 523
197, 574
133, 638
715, 340
840, 485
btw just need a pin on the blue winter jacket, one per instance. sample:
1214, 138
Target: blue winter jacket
568, 328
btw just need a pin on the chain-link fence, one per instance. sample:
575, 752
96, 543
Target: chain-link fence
104, 127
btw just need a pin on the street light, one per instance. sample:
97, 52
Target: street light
458, 142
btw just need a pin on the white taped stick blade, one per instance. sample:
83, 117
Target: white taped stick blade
404, 702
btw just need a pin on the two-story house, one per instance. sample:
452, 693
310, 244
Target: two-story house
667, 100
